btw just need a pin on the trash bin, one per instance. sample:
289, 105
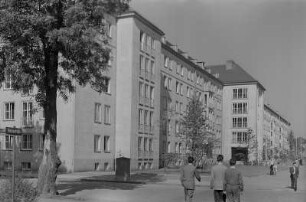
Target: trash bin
123, 168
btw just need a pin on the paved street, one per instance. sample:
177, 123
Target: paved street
263, 188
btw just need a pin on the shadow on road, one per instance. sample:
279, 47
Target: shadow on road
66, 188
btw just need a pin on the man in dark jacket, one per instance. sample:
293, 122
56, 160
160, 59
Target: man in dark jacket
233, 183
294, 174
188, 173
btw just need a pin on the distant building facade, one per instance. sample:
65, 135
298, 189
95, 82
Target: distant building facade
243, 104
181, 79
276, 133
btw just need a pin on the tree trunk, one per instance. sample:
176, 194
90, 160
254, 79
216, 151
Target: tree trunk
50, 162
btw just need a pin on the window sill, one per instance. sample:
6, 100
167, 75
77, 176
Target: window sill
98, 122
107, 152
97, 151
107, 124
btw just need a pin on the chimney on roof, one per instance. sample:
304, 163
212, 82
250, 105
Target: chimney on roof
201, 64
163, 39
174, 47
229, 64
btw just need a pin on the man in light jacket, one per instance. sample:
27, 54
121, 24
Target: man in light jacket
188, 173
217, 180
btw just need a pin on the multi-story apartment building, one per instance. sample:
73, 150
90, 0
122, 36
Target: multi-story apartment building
86, 123
242, 112
182, 78
276, 132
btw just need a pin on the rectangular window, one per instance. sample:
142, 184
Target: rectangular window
139, 143
149, 42
151, 93
240, 93
7, 165
240, 122
150, 145
9, 142
41, 141
181, 89
141, 95
240, 108
188, 91
152, 67
177, 86
151, 119
181, 108
166, 61
177, 110
8, 79
106, 144
140, 117
142, 41
145, 144
106, 86
27, 142
97, 143
142, 65
182, 71
169, 84
9, 111
25, 166
27, 113
98, 118
107, 116
169, 147
147, 66
145, 117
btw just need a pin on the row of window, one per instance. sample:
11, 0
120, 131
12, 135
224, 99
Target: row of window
27, 112
145, 117
147, 65
240, 122
145, 144
240, 108
240, 93
26, 142
25, 166
147, 43
146, 90
178, 147
98, 113
239, 137
98, 143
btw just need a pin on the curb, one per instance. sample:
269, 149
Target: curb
116, 181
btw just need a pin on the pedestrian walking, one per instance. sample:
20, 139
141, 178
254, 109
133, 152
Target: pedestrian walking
233, 182
188, 173
294, 174
217, 180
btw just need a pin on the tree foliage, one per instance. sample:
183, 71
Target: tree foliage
194, 128
51, 45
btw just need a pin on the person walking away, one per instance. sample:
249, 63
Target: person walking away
233, 182
188, 173
217, 180
275, 168
271, 169
294, 174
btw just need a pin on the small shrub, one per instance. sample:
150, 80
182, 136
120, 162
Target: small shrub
24, 191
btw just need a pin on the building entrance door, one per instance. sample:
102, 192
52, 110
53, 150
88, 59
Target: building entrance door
240, 154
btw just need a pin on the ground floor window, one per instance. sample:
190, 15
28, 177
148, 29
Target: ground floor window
25, 166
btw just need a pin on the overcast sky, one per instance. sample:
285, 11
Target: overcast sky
265, 37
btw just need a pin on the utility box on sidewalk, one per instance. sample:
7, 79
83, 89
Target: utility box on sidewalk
123, 168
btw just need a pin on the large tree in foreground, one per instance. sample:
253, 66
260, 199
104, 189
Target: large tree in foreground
52, 44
